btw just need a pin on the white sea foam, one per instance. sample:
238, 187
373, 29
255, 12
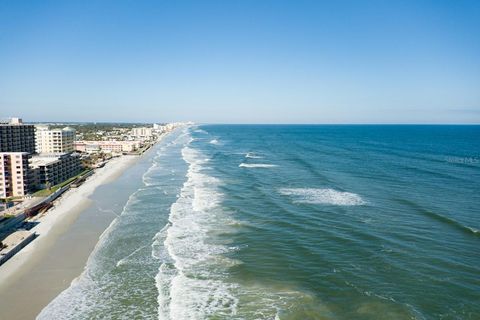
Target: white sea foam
252, 155
214, 141
159, 251
128, 258
190, 287
322, 196
473, 230
256, 165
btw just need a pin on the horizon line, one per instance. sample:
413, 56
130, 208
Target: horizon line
265, 124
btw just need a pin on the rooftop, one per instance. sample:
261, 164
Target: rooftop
15, 153
42, 161
11, 121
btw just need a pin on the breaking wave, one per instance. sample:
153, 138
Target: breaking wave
323, 196
256, 165
252, 155
189, 283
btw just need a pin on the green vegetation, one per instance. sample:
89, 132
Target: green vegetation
45, 192
48, 191
10, 199
94, 159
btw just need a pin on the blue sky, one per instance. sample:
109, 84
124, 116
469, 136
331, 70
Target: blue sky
241, 61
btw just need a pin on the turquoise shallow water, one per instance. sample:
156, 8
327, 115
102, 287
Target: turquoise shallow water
294, 222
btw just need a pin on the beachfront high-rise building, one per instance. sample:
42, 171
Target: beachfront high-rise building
15, 136
15, 174
142, 133
54, 140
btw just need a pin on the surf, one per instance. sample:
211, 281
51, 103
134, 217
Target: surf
322, 196
189, 285
252, 155
257, 165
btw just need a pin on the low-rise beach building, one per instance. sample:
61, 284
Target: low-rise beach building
107, 146
52, 169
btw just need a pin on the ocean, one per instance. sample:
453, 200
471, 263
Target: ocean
292, 222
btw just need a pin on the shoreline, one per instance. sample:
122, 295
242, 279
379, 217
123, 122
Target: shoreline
55, 223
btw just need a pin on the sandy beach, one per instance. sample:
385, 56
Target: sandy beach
19, 278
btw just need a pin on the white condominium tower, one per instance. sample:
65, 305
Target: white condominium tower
142, 133
54, 140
